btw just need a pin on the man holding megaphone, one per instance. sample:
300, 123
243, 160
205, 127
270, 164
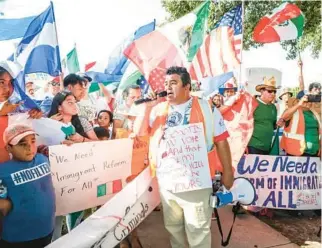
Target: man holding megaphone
186, 214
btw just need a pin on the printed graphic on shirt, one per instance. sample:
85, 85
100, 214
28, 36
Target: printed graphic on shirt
174, 119
32, 174
221, 122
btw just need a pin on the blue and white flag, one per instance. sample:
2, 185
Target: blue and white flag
38, 51
211, 85
16, 16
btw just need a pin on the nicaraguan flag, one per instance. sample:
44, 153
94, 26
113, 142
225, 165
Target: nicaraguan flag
38, 50
16, 16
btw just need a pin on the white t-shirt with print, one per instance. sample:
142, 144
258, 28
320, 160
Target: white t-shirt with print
176, 117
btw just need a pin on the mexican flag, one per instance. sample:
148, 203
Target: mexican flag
70, 64
187, 32
199, 29
285, 23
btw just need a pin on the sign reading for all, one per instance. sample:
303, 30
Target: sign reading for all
83, 173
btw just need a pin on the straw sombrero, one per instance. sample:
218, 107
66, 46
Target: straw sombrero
285, 91
267, 83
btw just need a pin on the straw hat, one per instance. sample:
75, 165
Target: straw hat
267, 83
285, 91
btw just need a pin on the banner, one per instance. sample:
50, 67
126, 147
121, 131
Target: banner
184, 161
283, 182
119, 216
136, 214
81, 173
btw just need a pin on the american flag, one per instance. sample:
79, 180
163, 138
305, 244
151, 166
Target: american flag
221, 49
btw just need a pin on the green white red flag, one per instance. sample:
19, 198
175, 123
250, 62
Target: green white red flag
285, 23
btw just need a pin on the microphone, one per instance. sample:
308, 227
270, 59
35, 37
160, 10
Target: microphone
143, 100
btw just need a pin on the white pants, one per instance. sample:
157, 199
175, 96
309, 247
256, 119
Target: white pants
187, 214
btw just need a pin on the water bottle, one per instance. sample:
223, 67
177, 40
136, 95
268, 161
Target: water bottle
3, 191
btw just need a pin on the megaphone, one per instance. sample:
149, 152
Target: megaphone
243, 191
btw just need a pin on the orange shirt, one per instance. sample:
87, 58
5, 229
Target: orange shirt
4, 155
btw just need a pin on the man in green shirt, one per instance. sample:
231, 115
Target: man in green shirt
265, 118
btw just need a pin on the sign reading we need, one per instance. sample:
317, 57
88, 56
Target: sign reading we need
83, 173
183, 160
283, 181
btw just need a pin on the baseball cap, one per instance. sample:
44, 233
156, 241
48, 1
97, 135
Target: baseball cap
14, 133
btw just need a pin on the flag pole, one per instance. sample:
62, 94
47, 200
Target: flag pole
62, 74
241, 49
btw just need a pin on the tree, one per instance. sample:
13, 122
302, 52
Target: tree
254, 10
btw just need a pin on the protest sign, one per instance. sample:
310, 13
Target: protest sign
183, 160
115, 216
283, 181
81, 173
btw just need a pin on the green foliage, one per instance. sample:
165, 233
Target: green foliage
254, 10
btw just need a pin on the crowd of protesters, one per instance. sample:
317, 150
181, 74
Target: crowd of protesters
29, 221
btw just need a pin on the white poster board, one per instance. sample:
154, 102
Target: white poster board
283, 182
183, 160
81, 173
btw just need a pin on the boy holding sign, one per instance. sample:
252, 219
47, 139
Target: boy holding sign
27, 213
183, 162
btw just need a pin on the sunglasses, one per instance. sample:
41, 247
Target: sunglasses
55, 84
271, 91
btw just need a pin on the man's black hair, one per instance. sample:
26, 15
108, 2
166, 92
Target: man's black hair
182, 72
73, 79
127, 89
314, 85
101, 132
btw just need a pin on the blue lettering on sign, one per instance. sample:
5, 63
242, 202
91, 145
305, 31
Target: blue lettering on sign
272, 199
258, 165
281, 164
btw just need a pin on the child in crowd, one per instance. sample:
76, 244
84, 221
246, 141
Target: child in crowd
105, 119
27, 213
102, 133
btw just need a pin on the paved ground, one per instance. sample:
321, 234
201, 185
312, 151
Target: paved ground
249, 232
